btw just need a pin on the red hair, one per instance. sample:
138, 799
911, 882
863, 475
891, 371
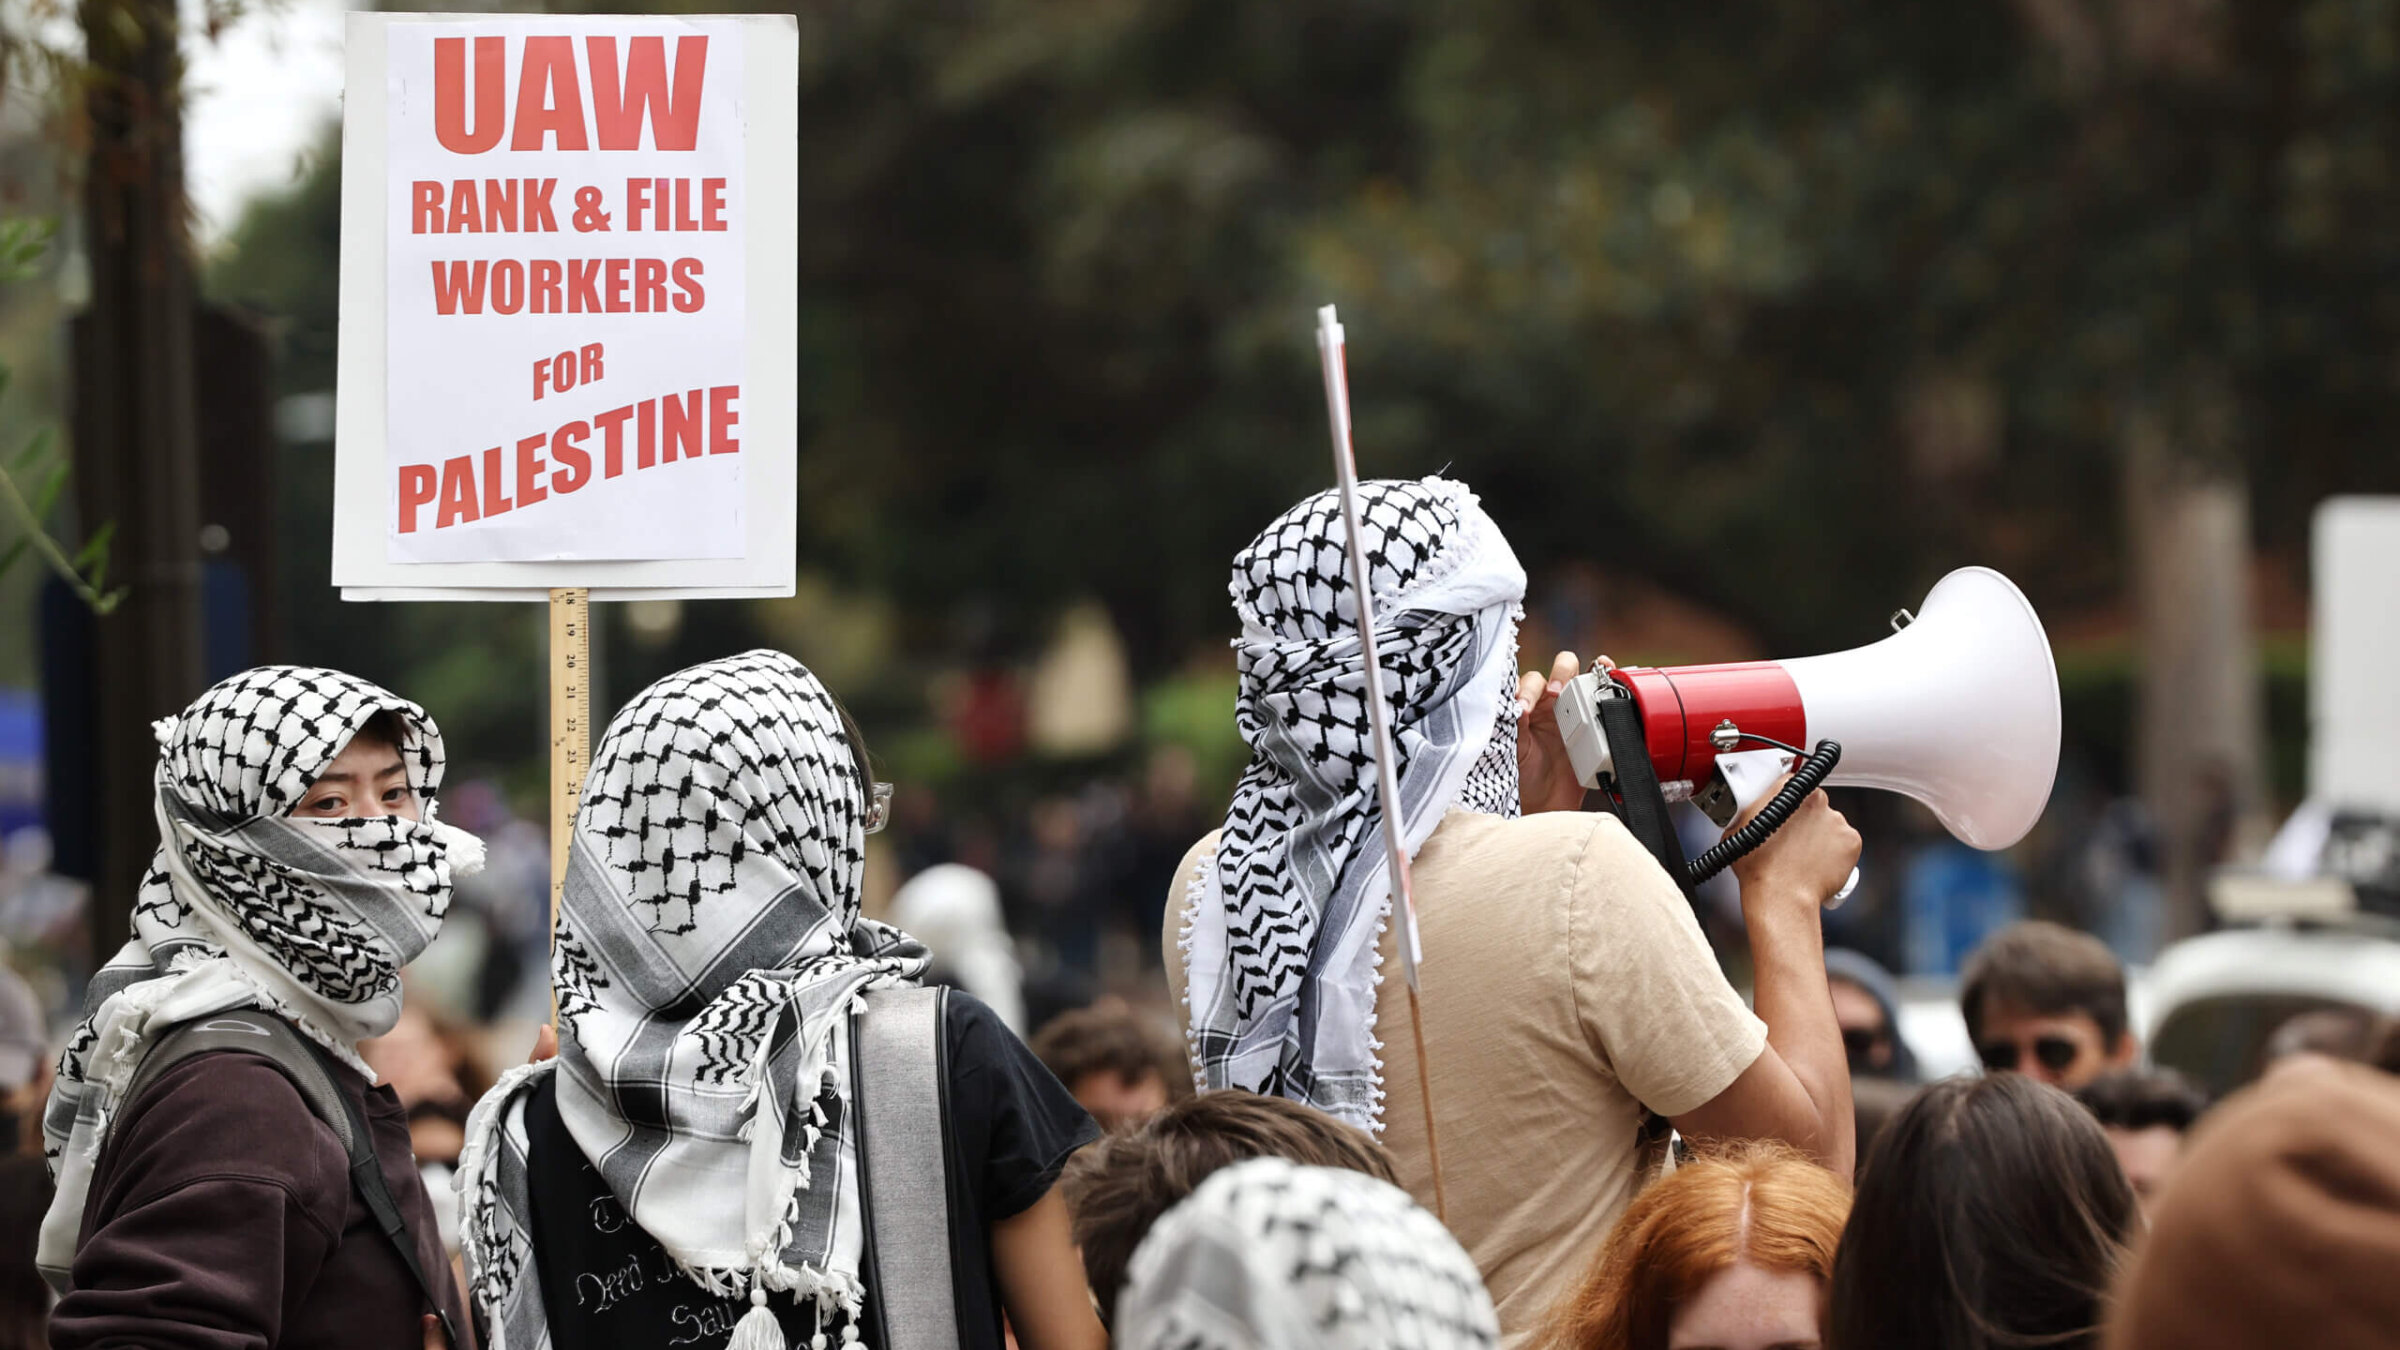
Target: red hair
1759, 1203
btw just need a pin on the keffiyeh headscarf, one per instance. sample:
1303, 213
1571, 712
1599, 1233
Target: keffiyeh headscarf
1269, 1255
246, 907
1281, 926
708, 953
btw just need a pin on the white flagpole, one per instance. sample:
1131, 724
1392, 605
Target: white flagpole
1387, 786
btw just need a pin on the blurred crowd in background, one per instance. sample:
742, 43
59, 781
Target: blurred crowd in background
1746, 324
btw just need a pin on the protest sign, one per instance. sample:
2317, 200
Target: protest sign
569, 322
568, 306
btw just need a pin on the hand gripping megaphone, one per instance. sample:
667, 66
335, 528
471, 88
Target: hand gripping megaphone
1958, 709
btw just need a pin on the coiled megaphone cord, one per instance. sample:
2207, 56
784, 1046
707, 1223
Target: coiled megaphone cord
1739, 844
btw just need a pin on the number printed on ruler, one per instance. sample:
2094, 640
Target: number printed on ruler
574, 668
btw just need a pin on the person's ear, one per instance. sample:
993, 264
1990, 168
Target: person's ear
2126, 1051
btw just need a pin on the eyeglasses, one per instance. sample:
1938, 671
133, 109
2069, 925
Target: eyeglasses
879, 795
2054, 1052
1860, 1042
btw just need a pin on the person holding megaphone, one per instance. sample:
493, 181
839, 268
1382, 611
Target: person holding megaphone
1571, 1009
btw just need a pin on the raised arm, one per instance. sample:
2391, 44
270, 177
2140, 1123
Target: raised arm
1798, 1090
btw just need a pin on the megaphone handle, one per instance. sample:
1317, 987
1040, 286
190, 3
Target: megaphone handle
1770, 818
1835, 900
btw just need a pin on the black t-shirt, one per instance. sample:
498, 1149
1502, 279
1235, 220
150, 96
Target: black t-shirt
606, 1283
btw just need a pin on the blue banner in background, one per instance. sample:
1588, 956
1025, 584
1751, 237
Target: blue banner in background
1953, 897
21, 773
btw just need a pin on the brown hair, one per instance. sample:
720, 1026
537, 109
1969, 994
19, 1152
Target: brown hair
1118, 1187
1109, 1037
1757, 1202
1992, 1214
2051, 969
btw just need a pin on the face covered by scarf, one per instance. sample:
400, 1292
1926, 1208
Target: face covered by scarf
1269, 1255
708, 953
1280, 929
246, 907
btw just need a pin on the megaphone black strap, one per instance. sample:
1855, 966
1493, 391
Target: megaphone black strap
1640, 802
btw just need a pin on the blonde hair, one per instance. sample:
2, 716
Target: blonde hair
1760, 1203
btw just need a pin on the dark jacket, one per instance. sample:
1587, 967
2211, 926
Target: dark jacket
221, 1215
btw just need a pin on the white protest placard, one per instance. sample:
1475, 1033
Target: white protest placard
569, 306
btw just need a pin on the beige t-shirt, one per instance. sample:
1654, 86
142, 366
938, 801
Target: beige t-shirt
1566, 986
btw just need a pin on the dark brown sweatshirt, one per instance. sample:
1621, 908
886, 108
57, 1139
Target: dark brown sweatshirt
222, 1216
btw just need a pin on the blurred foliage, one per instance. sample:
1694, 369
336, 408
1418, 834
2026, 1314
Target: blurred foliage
33, 476
1194, 708
1789, 306
31, 315
2098, 686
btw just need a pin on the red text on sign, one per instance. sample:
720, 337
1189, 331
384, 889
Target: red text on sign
551, 111
569, 286
560, 373
499, 206
467, 488
651, 197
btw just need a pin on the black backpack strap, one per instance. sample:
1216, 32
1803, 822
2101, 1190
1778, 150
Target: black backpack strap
366, 1177
311, 1071
1640, 802
902, 1091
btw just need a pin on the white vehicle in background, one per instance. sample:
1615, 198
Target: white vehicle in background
2208, 1004
2311, 943
2215, 999
2316, 925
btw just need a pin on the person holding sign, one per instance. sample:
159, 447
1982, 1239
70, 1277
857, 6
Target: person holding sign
704, 1162
1569, 999
260, 1192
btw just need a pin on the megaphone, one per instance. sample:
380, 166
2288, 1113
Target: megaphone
1958, 709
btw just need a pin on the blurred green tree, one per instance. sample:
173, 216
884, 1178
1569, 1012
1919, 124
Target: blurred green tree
1790, 306
33, 476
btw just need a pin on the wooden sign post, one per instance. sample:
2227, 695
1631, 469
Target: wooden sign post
570, 723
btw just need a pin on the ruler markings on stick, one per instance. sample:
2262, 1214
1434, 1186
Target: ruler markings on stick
570, 723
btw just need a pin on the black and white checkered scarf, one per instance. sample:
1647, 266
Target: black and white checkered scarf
708, 953
1281, 926
1270, 1255
245, 907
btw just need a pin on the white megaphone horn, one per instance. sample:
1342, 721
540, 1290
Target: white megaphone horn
1957, 709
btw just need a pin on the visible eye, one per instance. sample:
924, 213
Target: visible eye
395, 796
327, 805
